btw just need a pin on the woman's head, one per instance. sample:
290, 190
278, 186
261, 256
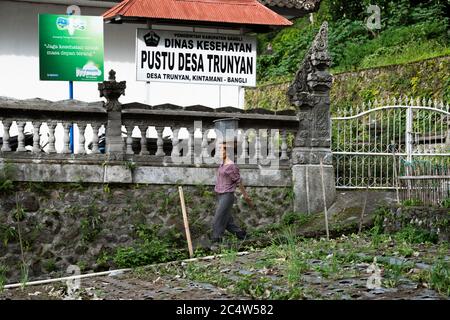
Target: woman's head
227, 150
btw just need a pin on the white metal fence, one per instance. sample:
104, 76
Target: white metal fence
375, 143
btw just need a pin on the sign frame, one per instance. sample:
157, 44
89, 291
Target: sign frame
246, 80
71, 50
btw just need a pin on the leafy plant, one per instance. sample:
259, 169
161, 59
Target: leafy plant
50, 265
3, 271
446, 203
440, 277
412, 203
7, 173
411, 234
150, 248
146, 253
106, 189
378, 223
7, 234
90, 223
130, 165
290, 218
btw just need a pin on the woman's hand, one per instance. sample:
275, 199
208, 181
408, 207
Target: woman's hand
245, 195
249, 201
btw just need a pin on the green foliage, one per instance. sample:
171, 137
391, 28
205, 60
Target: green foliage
90, 223
440, 277
446, 203
201, 273
410, 32
145, 232
79, 185
290, 218
379, 216
19, 213
106, 189
23, 274
148, 252
255, 287
151, 248
49, 265
7, 173
41, 188
412, 203
130, 165
83, 265
7, 234
3, 271
103, 259
411, 234
393, 274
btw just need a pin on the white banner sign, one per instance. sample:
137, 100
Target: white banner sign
174, 56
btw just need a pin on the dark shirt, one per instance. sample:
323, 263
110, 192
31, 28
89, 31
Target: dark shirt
228, 178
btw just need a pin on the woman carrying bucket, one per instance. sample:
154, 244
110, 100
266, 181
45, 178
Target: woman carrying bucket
227, 180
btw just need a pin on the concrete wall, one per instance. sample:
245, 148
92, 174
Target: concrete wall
96, 171
19, 64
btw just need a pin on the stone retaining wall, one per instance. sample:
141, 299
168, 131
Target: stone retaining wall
79, 223
433, 220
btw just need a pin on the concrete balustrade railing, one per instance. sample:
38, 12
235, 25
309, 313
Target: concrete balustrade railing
43, 120
179, 133
136, 143
261, 135
198, 127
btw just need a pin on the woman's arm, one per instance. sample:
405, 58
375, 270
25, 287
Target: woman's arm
245, 194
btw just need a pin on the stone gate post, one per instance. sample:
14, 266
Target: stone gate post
112, 91
310, 94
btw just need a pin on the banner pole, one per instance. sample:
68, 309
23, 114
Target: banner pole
72, 147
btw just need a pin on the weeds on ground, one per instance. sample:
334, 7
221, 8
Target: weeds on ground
3, 271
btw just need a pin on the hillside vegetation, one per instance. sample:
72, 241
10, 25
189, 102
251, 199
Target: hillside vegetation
410, 31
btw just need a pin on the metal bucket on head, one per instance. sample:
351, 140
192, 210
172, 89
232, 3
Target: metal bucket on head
226, 129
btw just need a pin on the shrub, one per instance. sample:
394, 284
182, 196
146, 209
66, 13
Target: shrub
440, 277
411, 234
148, 252
150, 248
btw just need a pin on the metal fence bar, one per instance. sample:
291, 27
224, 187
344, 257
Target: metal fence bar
419, 132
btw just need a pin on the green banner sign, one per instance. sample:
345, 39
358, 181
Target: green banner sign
70, 48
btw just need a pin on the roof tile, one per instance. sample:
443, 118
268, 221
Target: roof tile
243, 12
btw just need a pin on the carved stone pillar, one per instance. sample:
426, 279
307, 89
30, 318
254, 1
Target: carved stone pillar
310, 94
66, 137
112, 91
6, 136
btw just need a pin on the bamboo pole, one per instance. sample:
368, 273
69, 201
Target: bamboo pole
186, 222
324, 200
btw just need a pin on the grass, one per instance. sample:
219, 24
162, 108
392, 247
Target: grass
289, 257
7, 173
19, 215
402, 55
439, 277
90, 223
3, 271
149, 248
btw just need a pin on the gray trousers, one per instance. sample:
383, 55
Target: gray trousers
222, 219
